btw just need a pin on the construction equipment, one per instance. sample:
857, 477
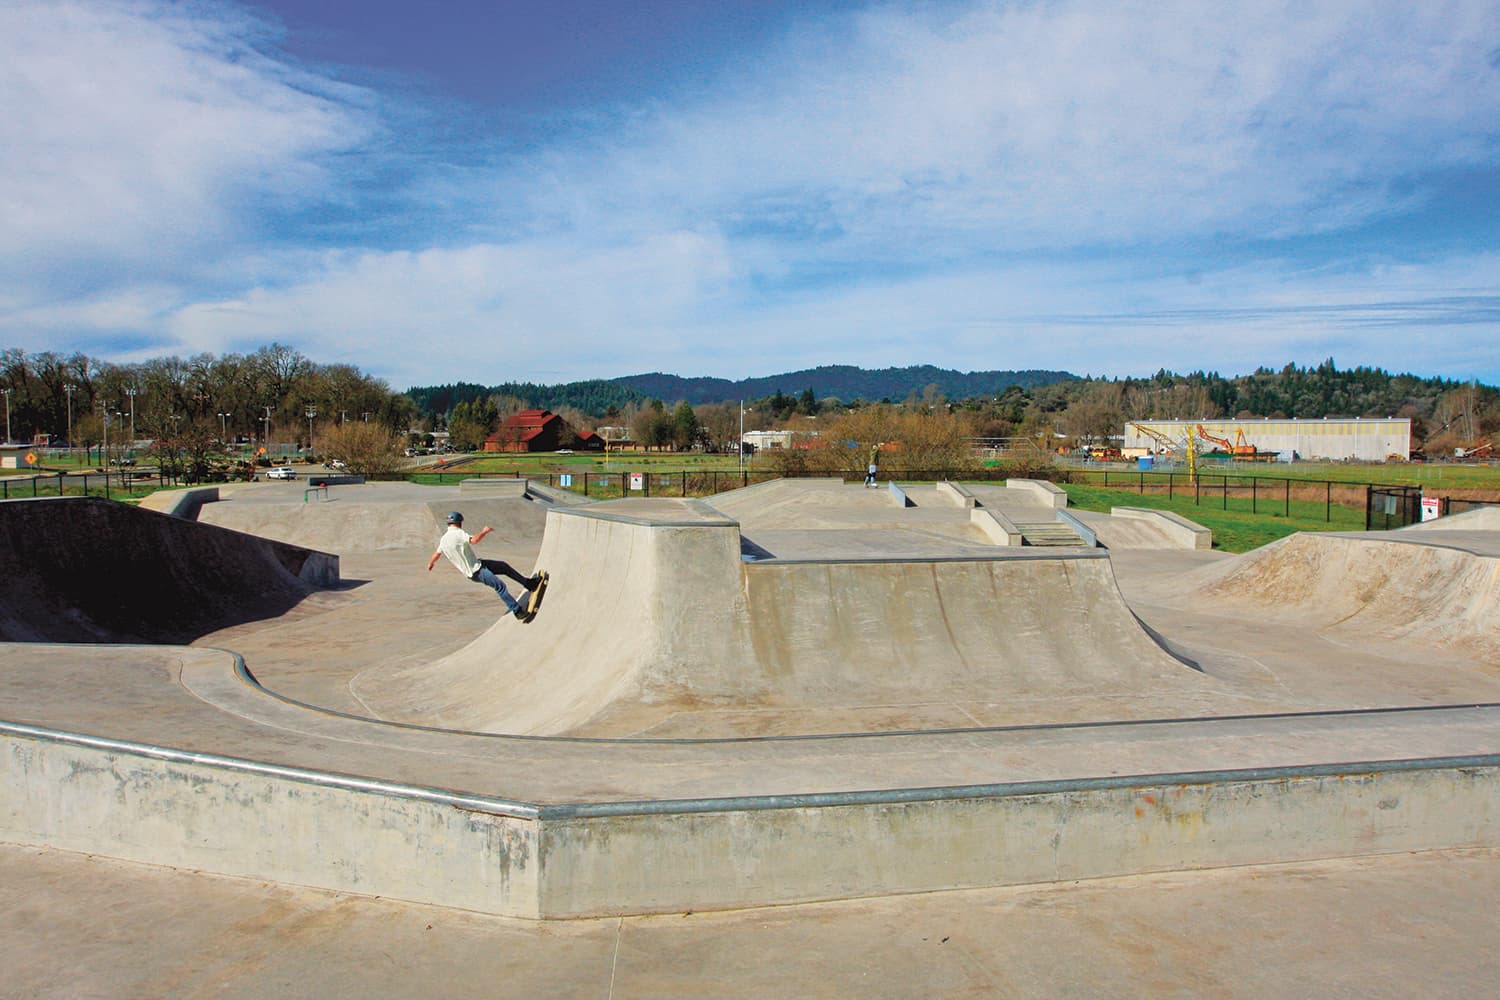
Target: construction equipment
1241, 448
1482, 450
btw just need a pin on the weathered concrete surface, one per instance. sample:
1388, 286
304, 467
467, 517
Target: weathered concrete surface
1393, 927
77, 569
1409, 587
374, 517
1176, 530
1256, 662
533, 827
652, 614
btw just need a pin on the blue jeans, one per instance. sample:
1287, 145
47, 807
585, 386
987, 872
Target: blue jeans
489, 574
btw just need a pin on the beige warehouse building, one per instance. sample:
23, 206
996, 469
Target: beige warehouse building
1365, 439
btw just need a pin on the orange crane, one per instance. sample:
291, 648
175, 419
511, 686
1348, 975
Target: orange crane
1239, 449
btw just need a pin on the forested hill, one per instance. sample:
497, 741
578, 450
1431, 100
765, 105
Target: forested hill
844, 382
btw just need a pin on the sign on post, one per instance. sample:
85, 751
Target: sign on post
637, 480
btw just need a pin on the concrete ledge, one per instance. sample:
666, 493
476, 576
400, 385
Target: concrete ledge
996, 526
899, 495
182, 503
566, 860
1187, 534
335, 479
504, 488
957, 493
1045, 493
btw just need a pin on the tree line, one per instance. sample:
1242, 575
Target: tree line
272, 395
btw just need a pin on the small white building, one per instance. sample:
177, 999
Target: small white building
1363, 439
761, 440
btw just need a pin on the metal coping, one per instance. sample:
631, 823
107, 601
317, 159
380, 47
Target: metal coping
755, 803
997, 557
711, 518
243, 672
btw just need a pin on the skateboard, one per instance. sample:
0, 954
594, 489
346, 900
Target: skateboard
535, 601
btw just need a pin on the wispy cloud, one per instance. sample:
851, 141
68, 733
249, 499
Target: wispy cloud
1107, 188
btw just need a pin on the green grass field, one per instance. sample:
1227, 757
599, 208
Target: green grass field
1235, 526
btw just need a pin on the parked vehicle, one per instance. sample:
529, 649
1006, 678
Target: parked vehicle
281, 472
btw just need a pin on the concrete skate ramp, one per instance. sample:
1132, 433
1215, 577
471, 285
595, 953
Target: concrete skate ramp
652, 608
1374, 586
77, 569
354, 519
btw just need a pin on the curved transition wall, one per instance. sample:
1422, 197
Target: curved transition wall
1375, 586
80, 569
653, 608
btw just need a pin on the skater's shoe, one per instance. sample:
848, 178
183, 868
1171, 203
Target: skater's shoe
524, 613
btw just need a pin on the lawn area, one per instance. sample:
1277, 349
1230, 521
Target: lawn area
545, 462
1237, 528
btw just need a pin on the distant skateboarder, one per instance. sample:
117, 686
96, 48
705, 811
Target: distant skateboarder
458, 545
873, 467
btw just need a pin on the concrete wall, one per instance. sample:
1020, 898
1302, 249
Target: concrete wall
328, 831
1042, 492
1186, 534
258, 821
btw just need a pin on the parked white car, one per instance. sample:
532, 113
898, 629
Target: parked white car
281, 472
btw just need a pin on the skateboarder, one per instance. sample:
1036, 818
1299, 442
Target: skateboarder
873, 467
457, 545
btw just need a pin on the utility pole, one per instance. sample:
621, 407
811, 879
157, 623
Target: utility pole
312, 411
266, 421
224, 429
7, 413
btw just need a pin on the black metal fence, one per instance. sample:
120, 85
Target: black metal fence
105, 484
1265, 493
1389, 507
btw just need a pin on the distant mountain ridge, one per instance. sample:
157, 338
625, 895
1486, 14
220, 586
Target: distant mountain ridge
844, 382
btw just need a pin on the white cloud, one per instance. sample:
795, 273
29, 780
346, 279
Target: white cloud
136, 133
1017, 184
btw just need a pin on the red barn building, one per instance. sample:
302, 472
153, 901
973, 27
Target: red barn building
539, 430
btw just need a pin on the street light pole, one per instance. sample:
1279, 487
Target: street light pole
7, 413
741, 443
131, 393
70, 388
312, 411
224, 429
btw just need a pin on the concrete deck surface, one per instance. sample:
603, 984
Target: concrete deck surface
1389, 926
1400, 926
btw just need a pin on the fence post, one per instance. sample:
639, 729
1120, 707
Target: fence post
1171, 479
1143, 484
1225, 480
1287, 510
1197, 491
1328, 501
1254, 493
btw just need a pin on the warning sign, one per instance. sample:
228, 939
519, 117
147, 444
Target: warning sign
637, 480
31, 458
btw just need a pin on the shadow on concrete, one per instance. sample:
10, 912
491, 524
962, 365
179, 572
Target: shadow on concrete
80, 569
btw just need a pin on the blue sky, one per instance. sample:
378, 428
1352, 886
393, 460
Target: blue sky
495, 191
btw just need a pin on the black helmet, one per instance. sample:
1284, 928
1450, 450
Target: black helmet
454, 517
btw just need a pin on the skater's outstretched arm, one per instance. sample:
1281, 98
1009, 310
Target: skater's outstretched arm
474, 539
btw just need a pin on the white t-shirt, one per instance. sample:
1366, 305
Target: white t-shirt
455, 545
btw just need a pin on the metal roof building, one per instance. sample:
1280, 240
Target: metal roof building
1364, 439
